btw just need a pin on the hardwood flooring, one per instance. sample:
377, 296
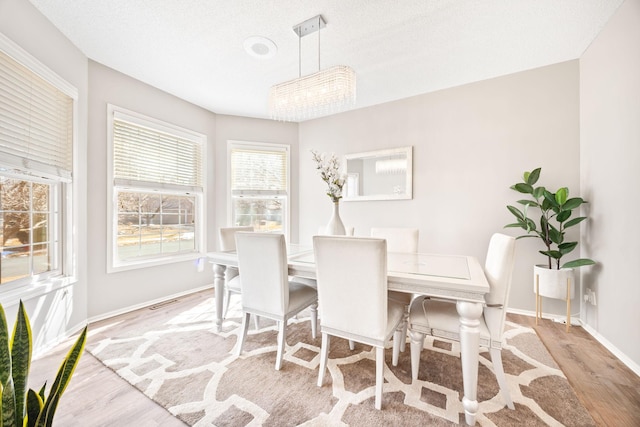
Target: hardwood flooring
97, 396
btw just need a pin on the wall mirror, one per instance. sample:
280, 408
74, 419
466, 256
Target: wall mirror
379, 175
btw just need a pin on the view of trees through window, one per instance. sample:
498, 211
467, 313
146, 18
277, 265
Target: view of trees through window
26, 229
152, 223
264, 214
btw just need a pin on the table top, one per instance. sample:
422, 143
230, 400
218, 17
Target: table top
456, 277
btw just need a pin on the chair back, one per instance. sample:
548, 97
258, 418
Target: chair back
227, 237
351, 274
498, 269
262, 260
403, 240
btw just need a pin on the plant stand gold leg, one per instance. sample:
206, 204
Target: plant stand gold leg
568, 304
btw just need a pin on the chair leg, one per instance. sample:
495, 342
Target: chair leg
352, 345
314, 320
397, 345
282, 339
405, 324
243, 332
496, 359
256, 319
379, 376
417, 344
324, 355
227, 297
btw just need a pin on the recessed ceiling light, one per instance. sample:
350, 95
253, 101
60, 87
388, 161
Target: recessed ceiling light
260, 47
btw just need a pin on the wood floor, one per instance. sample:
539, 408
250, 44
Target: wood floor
98, 397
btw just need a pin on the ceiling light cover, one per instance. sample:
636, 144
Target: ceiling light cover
327, 91
260, 47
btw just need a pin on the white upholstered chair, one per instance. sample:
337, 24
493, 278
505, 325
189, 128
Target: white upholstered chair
440, 318
227, 238
266, 289
403, 240
352, 294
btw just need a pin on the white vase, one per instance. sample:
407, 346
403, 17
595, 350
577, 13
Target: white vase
553, 283
335, 226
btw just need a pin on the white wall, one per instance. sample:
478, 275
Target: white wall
610, 174
470, 144
54, 314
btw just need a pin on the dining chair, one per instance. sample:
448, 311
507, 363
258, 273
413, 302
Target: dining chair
266, 288
351, 274
403, 240
227, 238
439, 318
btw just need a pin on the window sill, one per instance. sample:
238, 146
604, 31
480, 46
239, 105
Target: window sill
13, 296
133, 265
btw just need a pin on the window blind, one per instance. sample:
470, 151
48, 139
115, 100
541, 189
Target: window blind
36, 122
259, 171
145, 155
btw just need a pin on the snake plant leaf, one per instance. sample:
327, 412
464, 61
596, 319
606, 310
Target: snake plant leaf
5, 355
561, 196
578, 263
62, 380
573, 203
574, 221
21, 360
34, 406
532, 177
9, 405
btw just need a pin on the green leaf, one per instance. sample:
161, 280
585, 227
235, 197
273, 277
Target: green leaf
516, 212
561, 195
550, 200
573, 203
516, 225
523, 188
538, 192
567, 247
34, 406
532, 177
555, 236
5, 355
563, 216
9, 404
574, 221
21, 360
528, 202
578, 263
62, 380
552, 254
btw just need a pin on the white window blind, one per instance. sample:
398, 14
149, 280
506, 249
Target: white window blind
36, 122
145, 155
258, 171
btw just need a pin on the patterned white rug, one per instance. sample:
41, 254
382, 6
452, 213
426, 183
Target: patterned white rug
175, 356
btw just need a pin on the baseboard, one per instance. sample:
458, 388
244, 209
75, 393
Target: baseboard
148, 303
602, 340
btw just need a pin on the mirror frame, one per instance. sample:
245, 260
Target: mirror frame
407, 195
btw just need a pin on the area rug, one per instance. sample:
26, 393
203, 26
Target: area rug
175, 356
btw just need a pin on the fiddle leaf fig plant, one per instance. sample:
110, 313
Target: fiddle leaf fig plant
20, 407
556, 217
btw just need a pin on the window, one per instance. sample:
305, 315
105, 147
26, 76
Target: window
259, 182
157, 194
37, 127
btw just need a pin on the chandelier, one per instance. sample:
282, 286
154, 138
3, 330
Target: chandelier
324, 92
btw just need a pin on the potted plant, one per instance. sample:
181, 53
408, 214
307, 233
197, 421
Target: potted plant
556, 217
29, 408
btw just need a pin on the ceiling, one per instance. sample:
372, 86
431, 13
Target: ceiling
194, 48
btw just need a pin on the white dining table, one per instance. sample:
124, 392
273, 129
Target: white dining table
455, 277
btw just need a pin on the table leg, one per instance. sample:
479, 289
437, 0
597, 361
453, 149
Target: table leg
469, 313
218, 283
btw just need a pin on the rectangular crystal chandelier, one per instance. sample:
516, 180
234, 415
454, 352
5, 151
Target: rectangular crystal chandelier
324, 92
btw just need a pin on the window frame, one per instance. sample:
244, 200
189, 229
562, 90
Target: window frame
263, 146
67, 189
113, 263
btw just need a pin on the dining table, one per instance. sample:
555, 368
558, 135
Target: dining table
458, 278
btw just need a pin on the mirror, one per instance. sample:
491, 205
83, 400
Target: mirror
379, 175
